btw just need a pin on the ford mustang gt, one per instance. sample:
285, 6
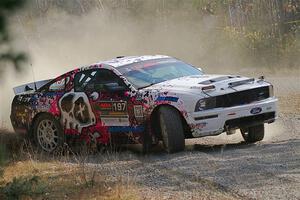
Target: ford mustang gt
141, 100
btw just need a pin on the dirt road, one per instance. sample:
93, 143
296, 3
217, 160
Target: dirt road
216, 167
221, 167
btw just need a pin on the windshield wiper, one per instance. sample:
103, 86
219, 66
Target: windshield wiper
146, 86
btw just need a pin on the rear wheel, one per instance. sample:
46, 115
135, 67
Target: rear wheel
48, 133
254, 133
171, 129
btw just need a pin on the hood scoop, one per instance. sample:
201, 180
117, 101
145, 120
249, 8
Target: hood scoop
237, 83
218, 79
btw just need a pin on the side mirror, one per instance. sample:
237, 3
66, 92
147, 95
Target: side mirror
114, 87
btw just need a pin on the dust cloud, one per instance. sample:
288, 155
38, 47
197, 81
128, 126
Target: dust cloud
58, 42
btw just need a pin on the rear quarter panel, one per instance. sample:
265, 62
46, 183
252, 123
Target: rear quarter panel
26, 107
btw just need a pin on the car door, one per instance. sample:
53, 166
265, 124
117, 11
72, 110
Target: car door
106, 92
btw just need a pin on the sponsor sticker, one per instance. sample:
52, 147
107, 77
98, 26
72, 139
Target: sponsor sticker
113, 113
134, 129
112, 121
108, 108
138, 111
105, 106
167, 98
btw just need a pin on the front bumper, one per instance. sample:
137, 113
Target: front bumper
215, 121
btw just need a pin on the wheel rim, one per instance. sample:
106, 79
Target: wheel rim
164, 131
47, 135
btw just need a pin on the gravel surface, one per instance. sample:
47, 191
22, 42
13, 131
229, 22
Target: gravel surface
214, 168
220, 167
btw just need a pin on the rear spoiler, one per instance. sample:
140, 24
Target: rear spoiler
30, 86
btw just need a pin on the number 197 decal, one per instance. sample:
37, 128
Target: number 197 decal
119, 106
112, 108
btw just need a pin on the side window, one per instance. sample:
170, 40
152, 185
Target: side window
59, 84
95, 80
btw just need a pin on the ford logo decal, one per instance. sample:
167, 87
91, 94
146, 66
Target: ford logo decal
255, 110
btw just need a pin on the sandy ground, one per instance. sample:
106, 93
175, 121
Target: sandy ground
222, 167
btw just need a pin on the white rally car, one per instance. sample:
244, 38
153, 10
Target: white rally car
142, 99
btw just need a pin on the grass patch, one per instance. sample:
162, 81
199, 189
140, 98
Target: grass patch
22, 187
57, 180
26, 174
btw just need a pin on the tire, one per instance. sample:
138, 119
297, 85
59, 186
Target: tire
171, 129
254, 133
48, 134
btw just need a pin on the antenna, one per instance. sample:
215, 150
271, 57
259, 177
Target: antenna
35, 88
26, 39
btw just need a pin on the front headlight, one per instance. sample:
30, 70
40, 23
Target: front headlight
205, 104
271, 91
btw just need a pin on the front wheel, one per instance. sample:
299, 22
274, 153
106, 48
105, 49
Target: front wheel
48, 133
171, 129
254, 133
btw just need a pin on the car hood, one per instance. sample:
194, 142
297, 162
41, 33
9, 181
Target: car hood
221, 84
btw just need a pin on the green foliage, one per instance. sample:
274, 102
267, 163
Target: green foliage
3, 158
7, 7
268, 29
22, 187
265, 29
2, 154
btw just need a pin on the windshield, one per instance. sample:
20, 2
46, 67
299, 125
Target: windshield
146, 73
